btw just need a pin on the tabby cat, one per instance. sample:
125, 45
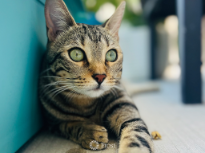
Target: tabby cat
80, 90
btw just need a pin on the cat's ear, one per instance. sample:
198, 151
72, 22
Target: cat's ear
113, 24
58, 18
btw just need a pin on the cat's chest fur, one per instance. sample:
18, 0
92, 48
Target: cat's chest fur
84, 106
90, 108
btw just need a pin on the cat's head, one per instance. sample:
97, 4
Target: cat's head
87, 59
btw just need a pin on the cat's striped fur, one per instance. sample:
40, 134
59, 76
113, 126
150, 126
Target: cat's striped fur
69, 95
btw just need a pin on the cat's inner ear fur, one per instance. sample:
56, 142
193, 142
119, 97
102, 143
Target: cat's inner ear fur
58, 18
113, 24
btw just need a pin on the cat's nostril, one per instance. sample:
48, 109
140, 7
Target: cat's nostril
99, 78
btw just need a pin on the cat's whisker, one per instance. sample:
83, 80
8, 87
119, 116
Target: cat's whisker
45, 71
55, 89
113, 91
46, 92
55, 93
58, 92
52, 77
53, 83
69, 96
46, 87
57, 83
117, 87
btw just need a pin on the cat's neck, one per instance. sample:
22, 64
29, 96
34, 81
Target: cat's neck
79, 100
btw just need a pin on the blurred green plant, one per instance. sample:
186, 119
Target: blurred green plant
133, 11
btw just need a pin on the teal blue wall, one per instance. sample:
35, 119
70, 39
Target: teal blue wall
22, 43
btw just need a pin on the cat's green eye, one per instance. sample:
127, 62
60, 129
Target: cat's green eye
76, 55
111, 55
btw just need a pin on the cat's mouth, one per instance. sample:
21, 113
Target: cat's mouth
97, 88
96, 91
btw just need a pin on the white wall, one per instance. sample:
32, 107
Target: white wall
134, 42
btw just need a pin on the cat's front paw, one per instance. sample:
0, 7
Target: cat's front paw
94, 137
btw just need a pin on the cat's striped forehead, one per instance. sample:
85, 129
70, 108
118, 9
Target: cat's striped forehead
94, 33
91, 38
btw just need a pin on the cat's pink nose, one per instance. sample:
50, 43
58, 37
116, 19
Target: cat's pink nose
99, 78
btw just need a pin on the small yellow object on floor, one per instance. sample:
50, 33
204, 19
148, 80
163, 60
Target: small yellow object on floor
156, 135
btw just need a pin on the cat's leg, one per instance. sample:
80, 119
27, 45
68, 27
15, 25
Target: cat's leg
134, 137
86, 134
123, 118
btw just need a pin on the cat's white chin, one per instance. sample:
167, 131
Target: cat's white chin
96, 92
